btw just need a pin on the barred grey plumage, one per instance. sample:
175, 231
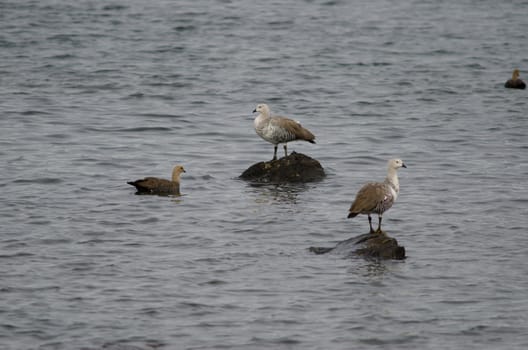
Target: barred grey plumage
378, 197
277, 129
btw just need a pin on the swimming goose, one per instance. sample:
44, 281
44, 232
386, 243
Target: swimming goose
154, 185
515, 82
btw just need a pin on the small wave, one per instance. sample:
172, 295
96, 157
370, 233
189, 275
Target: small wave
184, 28
63, 57
137, 129
161, 116
134, 96
150, 220
59, 136
34, 112
114, 7
42, 180
15, 255
213, 282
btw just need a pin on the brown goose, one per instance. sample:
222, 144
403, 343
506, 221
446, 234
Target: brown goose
378, 197
277, 129
515, 82
154, 185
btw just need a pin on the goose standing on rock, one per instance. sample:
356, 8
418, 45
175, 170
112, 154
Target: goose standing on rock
378, 197
515, 82
154, 185
277, 129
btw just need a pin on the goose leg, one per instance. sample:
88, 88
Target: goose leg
370, 224
275, 153
379, 225
285, 150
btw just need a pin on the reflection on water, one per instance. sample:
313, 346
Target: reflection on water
282, 193
177, 199
370, 268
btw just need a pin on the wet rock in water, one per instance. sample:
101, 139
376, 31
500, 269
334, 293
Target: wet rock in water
369, 245
295, 167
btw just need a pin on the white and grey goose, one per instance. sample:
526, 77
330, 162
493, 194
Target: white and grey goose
277, 129
378, 197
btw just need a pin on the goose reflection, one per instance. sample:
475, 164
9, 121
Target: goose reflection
277, 193
374, 268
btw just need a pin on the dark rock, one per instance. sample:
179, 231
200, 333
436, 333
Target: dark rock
295, 167
369, 245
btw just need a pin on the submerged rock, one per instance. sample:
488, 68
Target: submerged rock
369, 245
295, 167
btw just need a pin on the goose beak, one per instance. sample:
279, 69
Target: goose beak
403, 165
255, 110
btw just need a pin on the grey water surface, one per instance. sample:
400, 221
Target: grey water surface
97, 93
